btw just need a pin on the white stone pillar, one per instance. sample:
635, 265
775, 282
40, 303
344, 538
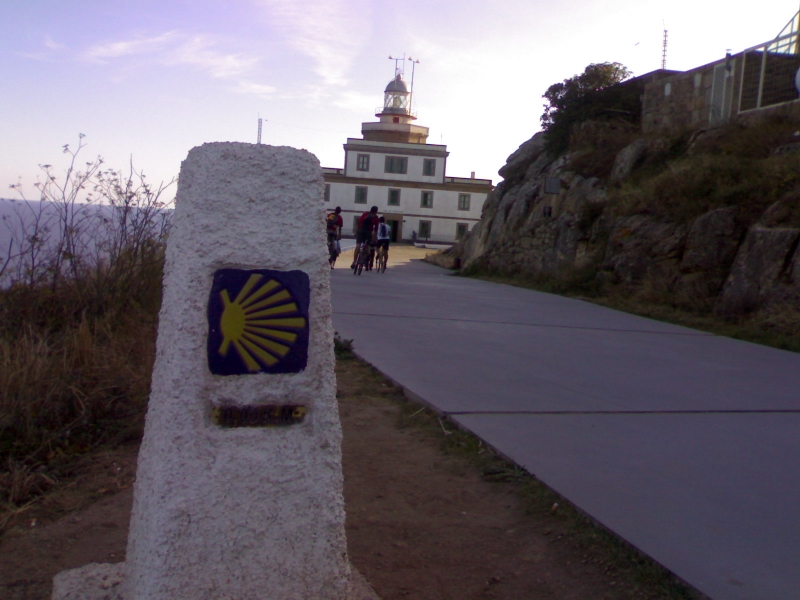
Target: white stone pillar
239, 485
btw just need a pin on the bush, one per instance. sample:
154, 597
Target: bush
691, 186
79, 299
594, 94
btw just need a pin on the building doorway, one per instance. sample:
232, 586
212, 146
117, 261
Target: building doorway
395, 222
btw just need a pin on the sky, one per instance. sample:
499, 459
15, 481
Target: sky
148, 80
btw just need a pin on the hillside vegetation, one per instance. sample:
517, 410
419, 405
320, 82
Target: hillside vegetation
80, 292
699, 227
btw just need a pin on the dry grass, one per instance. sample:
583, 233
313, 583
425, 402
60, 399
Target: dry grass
699, 171
65, 395
688, 187
595, 157
74, 376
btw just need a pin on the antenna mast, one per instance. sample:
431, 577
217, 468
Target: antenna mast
399, 65
664, 51
414, 63
259, 131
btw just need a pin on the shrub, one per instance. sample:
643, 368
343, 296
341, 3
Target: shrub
79, 300
691, 186
591, 95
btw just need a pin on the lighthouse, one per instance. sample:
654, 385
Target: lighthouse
392, 166
396, 117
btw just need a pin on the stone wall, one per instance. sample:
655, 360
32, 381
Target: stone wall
679, 101
675, 101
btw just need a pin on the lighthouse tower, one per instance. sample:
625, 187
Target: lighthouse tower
396, 117
394, 168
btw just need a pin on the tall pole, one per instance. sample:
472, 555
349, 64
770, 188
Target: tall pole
664, 52
414, 63
399, 61
259, 131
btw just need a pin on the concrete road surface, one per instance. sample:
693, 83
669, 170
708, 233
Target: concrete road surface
685, 444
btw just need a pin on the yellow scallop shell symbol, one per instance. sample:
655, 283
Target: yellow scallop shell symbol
259, 323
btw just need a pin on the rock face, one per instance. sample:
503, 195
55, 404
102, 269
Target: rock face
714, 259
626, 160
712, 241
763, 272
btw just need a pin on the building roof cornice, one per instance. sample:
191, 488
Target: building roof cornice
429, 150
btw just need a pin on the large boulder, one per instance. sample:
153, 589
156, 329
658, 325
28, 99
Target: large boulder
636, 241
763, 265
627, 159
517, 164
712, 240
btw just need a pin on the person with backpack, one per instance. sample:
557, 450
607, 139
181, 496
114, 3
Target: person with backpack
365, 232
384, 236
333, 225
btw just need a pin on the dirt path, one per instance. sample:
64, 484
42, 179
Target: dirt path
423, 522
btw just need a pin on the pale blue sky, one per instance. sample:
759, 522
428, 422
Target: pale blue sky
152, 79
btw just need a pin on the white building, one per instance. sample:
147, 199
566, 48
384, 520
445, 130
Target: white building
392, 167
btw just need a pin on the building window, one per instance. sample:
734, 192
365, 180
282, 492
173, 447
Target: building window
429, 167
396, 164
425, 229
361, 195
327, 192
547, 212
394, 197
362, 162
667, 89
426, 200
461, 230
463, 202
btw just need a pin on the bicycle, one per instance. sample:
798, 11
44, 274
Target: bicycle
382, 259
370, 258
361, 261
333, 251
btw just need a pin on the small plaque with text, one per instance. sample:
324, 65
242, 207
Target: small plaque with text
264, 415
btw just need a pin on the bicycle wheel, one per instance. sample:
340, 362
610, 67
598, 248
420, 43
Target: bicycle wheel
332, 254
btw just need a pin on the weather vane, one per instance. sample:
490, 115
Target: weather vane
397, 65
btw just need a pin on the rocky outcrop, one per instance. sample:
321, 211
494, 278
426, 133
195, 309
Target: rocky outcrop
713, 260
712, 241
763, 272
639, 241
627, 159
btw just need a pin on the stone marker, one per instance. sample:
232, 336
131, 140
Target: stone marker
239, 485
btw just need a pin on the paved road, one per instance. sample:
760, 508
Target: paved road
685, 444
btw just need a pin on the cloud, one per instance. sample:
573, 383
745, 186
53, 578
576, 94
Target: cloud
52, 49
175, 48
254, 89
52, 44
356, 101
198, 51
137, 46
330, 32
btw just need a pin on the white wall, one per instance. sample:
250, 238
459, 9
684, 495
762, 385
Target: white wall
445, 204
377, 162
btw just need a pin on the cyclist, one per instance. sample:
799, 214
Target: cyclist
384, 235
365, 231
334, 224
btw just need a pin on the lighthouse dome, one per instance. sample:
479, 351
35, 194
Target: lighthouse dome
396, 85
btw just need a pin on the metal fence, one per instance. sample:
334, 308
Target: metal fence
770, 70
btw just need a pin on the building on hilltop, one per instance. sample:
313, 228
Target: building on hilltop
394, 168
764, 79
